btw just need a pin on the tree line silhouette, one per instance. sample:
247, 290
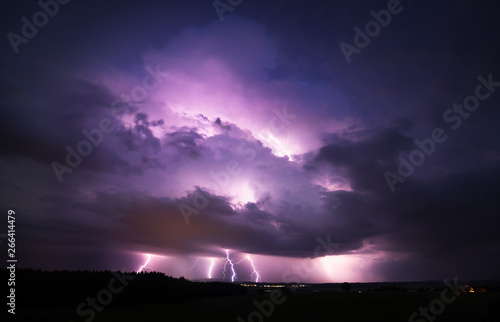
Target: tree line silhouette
37, 288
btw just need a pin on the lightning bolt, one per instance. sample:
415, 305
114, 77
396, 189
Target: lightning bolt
149, 257
145, 264
228, 260
257, 276
212, 262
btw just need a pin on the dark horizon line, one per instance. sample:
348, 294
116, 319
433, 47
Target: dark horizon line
261, 282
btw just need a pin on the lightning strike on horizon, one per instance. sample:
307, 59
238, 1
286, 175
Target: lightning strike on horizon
212, 262
148, 260
144, 266
257, 276
233, 277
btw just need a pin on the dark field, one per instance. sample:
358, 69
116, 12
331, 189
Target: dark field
334, 306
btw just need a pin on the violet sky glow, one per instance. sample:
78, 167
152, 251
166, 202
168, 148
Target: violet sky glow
268, 94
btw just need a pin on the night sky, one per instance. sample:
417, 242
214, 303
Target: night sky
304, 137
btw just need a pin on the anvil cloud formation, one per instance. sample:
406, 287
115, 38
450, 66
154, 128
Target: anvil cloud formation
156, 128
